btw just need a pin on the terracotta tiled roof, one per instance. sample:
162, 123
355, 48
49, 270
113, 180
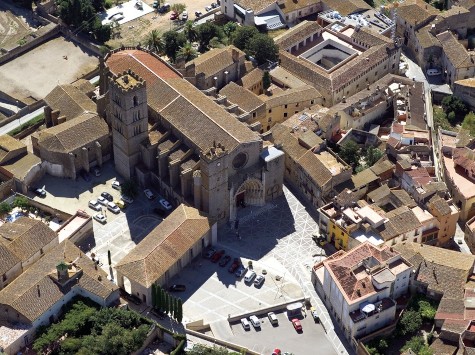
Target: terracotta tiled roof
315, 168
401, 220
380, 193
215, 60
21, 166
364, 177
439, 204
245, 99
9, 144
73, 134
455, 51
427, 39
26, 236
291, 96
255, 5
465, 158
297, 33
70, 101
8, 259
402, 198
470, 83
415, 12
290, 144
370, 38
285, 78
343, 270
443, 347
382, 166
252, 78
35, 291
346, 7
293, 5
164, 245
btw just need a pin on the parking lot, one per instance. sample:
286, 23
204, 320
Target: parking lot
311, 340
121, 232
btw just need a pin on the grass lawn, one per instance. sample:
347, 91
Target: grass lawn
27, 124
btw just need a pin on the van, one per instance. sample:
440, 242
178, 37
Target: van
256, 323
245, 324
272, 318
249, 276
433, 72
111, 206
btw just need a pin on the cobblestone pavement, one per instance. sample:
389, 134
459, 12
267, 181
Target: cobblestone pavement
283, 230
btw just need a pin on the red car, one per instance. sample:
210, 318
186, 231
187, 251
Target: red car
216, 256
173, 16
297, 325
234, 265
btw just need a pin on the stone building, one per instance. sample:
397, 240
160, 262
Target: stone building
193, 150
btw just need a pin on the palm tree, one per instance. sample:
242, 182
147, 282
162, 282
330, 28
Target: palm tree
154, 41
190, 31
187, 52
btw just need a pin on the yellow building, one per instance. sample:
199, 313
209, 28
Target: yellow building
447, 215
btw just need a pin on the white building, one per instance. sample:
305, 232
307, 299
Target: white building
360, 287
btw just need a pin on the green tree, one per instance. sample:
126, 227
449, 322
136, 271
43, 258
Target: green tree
372, 156
158, 295
129, 188
190, 31
5, 208
266, 80
469, 123
229, 29
199, 349
21, 202
243, 35
154, 42
187, 52
262, 48
102, 33
206, 32
154, 296
417, 345
163, 300
179, 315
178, 8
173, 41
454, 104
350, 153
427, 310
410, 322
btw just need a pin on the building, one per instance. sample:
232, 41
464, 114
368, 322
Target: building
360, 287
470, 234
465, 90
215, 68
22, 243
37, 296
165, 251
170, 135
447, 216
328, 58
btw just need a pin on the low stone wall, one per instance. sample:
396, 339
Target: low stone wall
238, 348
29, 130
22, 112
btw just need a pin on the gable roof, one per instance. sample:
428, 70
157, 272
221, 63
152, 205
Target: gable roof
70, 101
8, 144
242, 97
164, 245
255, 5
346, 7
296, 34
252, 78
416, 12
290, 96
73, 134
215, 60
455, 51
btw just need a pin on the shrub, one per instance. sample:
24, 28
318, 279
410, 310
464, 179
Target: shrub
410, 322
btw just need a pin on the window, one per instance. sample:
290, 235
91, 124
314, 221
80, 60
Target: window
285, 114
253, 115
270, 119
4, 277
285, 106
312, 102
136, 101
270, 110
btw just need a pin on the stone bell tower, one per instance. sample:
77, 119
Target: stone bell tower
128, 113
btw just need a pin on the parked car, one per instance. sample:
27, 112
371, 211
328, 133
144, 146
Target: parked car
85, 175
149, 194
100, 218
259, 280
272, 318
121, 204
165, 204
209, 253
184, 16
155, 4
160, 211
224, 261
214, 5
250, 275
126, 199
245, 324
314, 313
173, 16
198, 13
433, 72
94, 205
177, 288
256, 323
111, 206
116, 185
240, 271
102, 200
297, 325
107, 196
216, 256
234, 265
208, 8
97, 171
39, 192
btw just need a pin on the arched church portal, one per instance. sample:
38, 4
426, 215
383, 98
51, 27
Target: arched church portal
250, 193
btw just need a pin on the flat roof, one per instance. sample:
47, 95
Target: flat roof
464, 185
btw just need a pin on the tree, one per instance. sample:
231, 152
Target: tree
410, 322
21, 202
199, 349
129, 188
372, 156
102, 33
454, 104
262, 48
417, 345
5, 208
173, 41
266, 81
154, 296
350, 153
206, 32
229, 29
187, 52
469, 123
154, 42
243, 35
190, 31
179, 315
178, 8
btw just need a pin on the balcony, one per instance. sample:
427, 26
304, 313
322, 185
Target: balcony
379, 307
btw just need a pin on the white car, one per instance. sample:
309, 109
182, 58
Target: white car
111, 206
126, 199
272, 318
149, 194
102, 200
165, 204
184, 16
116, 185
245, 324
249, 276
94, 205
259, 280
100, 218
208, 8
256, 323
